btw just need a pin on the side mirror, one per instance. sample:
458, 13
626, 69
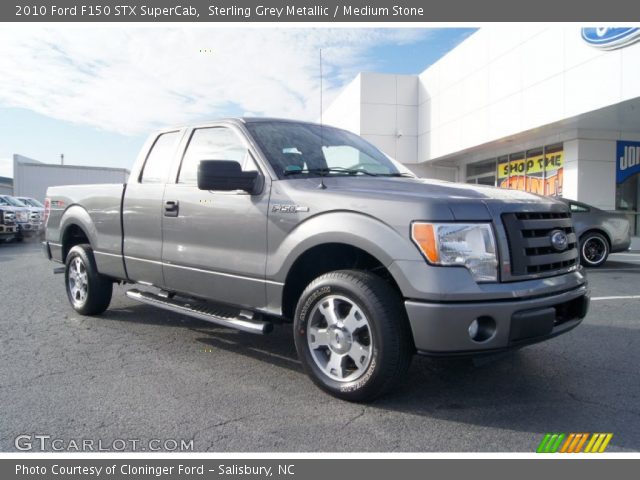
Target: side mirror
225, 175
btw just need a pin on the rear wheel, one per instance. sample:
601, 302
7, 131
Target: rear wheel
89, 292
352, 335
594, 249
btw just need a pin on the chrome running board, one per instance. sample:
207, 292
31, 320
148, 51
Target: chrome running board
223, 316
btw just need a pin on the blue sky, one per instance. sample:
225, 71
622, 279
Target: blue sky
94, 94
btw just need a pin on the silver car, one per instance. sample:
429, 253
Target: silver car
599, 232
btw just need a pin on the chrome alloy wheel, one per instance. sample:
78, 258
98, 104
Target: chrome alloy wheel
78, 282
593, 250
339, 338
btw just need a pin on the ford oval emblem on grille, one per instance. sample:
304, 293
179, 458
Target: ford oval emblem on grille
610, 38
559, 240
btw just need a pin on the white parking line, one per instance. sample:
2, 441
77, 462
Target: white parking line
635, 256
621, 269
618, 297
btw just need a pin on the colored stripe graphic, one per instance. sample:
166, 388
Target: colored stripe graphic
598, 442
550, 443
543, 443
567, 446
573, 442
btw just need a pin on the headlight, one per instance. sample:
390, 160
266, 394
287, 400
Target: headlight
469, 245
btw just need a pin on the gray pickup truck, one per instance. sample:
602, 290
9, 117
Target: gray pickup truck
248, 222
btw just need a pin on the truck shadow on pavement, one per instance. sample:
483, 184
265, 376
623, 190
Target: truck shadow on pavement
556, 386
573, 383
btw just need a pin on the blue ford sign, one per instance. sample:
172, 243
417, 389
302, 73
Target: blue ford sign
627, 160
610, 38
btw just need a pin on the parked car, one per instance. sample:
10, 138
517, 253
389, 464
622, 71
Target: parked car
599, 232
28, 220
8, 228
36, 207
248, 222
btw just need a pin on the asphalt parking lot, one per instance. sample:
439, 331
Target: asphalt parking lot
141, 373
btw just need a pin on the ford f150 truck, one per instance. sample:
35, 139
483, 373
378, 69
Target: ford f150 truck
28, 219
8, 228
248, 222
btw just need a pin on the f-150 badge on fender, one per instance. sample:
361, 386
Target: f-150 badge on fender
278, 208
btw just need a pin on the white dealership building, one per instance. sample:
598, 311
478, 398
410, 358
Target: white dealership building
549, 109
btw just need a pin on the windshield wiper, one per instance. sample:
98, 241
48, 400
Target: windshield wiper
326, 171
398, 174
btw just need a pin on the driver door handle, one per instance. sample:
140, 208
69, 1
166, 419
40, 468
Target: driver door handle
171, 208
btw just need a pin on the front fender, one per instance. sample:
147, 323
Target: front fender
377, 238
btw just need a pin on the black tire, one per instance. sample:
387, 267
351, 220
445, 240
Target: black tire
387, 330
96, 297
594, 249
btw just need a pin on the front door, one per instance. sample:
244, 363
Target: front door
215, 242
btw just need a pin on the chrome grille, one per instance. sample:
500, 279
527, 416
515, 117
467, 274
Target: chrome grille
8, 218
530, 247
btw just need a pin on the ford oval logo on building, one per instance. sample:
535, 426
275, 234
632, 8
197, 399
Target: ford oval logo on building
610, 38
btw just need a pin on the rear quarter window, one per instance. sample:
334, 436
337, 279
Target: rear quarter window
156, 167
577, 208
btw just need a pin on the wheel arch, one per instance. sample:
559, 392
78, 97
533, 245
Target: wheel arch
77, 228
324, 258
332, 241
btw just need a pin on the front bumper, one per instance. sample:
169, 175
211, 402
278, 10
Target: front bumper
27, 229
444, 328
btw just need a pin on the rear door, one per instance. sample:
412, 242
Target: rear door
142, 213
214, 241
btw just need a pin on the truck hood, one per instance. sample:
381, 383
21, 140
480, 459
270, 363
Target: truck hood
419, 189
400, 200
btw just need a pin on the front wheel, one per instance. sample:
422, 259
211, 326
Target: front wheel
89, 292
594, 249
352, 335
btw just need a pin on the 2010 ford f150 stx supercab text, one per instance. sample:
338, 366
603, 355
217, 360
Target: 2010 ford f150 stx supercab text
247, 222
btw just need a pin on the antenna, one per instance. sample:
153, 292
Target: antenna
322, 186
321, 92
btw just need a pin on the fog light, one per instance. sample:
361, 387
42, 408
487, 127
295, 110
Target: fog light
482, 329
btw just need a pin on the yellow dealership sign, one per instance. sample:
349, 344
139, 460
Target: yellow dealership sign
531, 165
541, 174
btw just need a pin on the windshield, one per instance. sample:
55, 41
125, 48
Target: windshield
14, 201
307, 149
32, 202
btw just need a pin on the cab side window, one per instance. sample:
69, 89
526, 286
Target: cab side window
575, 207
213, 143
158, 163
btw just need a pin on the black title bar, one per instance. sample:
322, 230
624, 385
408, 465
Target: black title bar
318, 11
